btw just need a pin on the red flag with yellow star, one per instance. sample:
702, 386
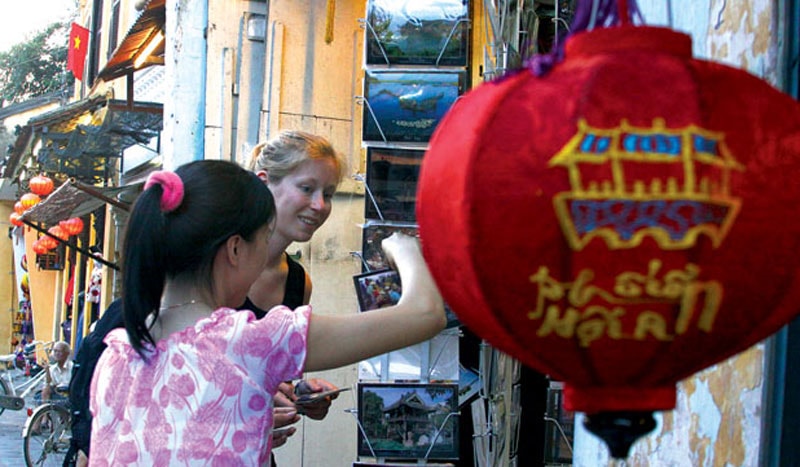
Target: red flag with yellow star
78, 45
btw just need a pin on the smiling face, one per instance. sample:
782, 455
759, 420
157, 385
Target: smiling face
303, 199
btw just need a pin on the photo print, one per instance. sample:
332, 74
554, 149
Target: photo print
377, 289
417, 32
406, 106
392, 176
373, 260
408, 421
373, 235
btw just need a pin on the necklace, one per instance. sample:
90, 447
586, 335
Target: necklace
177, 305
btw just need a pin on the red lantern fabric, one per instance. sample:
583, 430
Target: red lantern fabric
19, 208
48, 242
72, 226
38, 248
622, 222
14, 219
58, 232
29, 200
41, 185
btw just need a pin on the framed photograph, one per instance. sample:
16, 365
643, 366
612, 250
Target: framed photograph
406, 106
373, 235
408, 421
392, 176
377, 289
417, 32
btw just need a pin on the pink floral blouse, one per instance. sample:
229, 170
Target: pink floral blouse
204, 397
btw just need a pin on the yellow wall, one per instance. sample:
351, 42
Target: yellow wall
8, 287
315, 83
43, 284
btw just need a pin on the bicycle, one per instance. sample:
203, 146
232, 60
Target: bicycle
13, 396
47, 434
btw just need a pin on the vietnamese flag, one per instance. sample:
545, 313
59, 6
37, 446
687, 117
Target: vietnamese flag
78, 46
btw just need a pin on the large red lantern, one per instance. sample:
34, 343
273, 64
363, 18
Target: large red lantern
14, 219
621, 222
72, 226
41, 185
29, 200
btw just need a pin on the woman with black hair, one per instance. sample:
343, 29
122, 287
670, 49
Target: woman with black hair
184, 383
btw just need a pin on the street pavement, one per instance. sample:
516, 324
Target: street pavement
11, 424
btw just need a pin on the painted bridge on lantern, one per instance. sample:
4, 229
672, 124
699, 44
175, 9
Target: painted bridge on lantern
630, 182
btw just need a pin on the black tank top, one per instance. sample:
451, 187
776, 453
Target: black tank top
293, 292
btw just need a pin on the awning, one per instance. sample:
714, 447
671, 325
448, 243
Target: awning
146, 27
75, 199
82, 139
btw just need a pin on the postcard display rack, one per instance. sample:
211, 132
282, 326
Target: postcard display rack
416, 66
416, 62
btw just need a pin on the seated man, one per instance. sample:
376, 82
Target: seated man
58, 373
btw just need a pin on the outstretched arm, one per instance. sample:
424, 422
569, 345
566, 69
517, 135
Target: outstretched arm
334, 341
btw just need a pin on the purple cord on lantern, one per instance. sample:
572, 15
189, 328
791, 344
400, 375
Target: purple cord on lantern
589, 14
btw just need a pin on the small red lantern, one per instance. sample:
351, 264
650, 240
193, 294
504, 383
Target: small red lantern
19, 208
72, 226
58, 232
41, 185
29, 200
48, 242
14, 218
38, 248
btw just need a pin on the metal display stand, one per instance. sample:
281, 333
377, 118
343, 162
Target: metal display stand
496, 413
427, 364
421, 461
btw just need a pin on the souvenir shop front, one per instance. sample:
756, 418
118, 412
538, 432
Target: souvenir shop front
69, 211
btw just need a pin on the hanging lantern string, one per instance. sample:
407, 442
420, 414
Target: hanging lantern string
622, 9
588, 15
70, 243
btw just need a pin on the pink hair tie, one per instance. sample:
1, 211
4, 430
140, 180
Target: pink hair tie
172, 187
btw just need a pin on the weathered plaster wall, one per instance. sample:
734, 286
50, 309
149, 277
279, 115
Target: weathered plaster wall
312, 83
717, 420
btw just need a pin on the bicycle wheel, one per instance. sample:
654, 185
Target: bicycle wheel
47, 436
4, 391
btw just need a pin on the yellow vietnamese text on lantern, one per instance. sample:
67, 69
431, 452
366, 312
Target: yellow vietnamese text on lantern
633, 294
